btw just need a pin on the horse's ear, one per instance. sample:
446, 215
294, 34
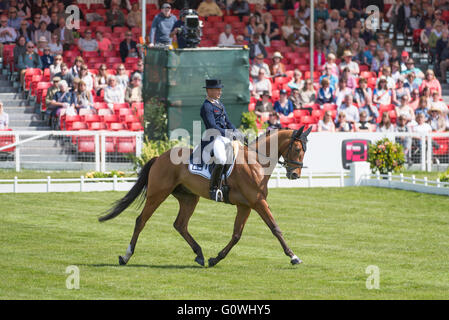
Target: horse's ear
308, 131
299, 132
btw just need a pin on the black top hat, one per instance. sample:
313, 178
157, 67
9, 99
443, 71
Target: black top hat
213, 84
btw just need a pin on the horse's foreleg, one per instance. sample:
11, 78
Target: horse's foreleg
151, 204
240, 220
187, 204
264, 211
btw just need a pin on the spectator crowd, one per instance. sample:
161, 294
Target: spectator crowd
362, 82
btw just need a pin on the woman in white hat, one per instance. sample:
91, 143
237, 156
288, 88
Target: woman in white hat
348, 63
277, 69
331, 58
437, 120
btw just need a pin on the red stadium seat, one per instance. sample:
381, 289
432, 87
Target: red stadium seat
6, 140
126, 145
86, 144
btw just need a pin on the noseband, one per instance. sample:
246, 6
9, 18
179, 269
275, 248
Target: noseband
291, 165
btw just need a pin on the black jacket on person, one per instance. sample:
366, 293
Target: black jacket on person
124, 49
252, 50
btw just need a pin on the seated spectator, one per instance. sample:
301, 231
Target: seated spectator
84, 99
295, 98
307, 94
436, 102
41, 45
128, 47
412, 83
240, 8
347, 76
363, 125
405, 110
400, 91
342, 125
63, 99
50, 96
437, 120
122, 76
348, 63
332, 22
101, 80
29, 59
56, 66
369, 54
273, 122
34, 25
277, 69
319, 56
364, 98
4, 118
330, 63
264, 37
209, 8
287, 27
23, 10
379, 61
24, 31
139, 69
412, 69
296, 39
7, 34
240, 40
42, 32
47, 59
113, 93
104, 44
86, 77
341, 92
271, 28
256, 47
422, 108
321, 11
54, 22
264, 107
422, 126
431, 82
44, 14
134, 19
19, 49
87, 44
76, 68
326, 124
55, 45
435, 35
283, 106
66, 75
13, 19
115, 16
257, 65
134, 90
385, 124
226, 38
414, 101
250, 28
65, 34
382, 95
326, 93
296, 82
261, 84
404, 141
349, 109
395, 71
386, 73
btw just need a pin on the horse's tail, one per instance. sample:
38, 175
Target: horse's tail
139, 188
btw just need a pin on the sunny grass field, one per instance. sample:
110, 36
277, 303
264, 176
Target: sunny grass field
338, 233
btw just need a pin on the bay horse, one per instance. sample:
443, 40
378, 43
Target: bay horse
160, 177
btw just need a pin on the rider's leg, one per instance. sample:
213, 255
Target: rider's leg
220, 161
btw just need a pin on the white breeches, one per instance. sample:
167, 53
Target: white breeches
220, 144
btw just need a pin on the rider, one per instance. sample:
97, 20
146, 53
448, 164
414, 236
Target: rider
214, 116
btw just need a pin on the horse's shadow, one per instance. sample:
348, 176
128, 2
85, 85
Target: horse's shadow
171, 266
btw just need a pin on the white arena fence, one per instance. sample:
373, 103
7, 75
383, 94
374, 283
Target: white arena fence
108, 150
359, 175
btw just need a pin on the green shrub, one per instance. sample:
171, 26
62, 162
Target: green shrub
386, 156
96, 174
444, 176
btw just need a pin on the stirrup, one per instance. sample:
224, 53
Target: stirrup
216, 195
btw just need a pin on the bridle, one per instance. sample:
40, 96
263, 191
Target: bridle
292, 165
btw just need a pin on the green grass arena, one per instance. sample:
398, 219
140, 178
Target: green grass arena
337, 232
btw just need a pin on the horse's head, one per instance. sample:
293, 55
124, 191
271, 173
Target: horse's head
294, 154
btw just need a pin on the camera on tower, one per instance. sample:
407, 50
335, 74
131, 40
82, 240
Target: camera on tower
191, 31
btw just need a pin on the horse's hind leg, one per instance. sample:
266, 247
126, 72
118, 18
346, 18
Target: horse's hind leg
152, 203
240, 220
187, 205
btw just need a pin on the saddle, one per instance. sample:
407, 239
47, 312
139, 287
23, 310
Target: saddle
198, 167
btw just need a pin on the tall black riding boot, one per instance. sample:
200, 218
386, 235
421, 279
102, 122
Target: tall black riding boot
215, 181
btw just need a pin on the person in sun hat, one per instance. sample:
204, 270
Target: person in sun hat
214, 116
348, 63
277, 68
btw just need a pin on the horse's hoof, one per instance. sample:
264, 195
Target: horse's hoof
121, 261
212, 262
295, 260
200, 261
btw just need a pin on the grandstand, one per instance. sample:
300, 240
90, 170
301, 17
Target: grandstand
26, 108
